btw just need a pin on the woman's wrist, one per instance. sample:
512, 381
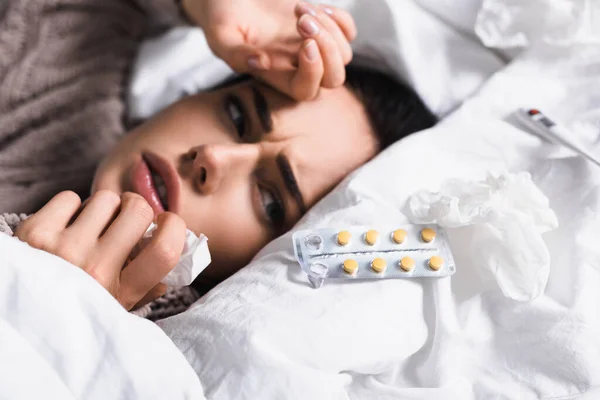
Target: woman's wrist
194, 11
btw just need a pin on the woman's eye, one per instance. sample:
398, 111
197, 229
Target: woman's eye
236, 113
272, 207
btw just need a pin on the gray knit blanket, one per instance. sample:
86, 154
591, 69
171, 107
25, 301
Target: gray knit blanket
64, 68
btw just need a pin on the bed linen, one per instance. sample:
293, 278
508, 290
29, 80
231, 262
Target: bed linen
62, 336
265, 333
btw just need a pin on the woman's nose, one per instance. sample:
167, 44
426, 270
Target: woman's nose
213, 163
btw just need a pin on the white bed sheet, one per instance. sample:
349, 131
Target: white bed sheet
267, 334
62, 336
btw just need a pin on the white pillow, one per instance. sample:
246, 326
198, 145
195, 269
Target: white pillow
460, 14
266, 334
443, 64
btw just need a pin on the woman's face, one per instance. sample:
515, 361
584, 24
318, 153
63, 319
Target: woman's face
241, 164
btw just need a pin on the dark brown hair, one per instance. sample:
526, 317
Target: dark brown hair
393, 108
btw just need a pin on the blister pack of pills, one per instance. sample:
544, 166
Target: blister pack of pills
409, 251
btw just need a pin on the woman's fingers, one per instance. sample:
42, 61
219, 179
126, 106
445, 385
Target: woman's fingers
336, 33
343, 20
98, 211
333, 65
155, 261
42, 229
94, 217
337, 21
305, 83
103, 255
57, 212
124, 233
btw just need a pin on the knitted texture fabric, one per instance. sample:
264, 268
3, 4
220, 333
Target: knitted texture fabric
175, 301
63, 75
9, 222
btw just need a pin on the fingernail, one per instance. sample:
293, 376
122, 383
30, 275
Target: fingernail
312, 52
254, 62
305, 8
328, 10
308, 26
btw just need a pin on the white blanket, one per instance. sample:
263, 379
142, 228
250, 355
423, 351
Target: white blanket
267, 334
62, 336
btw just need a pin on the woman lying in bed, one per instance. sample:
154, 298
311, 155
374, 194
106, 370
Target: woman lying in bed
240, 164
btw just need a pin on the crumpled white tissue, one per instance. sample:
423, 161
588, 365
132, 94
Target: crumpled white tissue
507, 214
195, 257
519, 23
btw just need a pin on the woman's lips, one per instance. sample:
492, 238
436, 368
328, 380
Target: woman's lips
169, 175
141, 180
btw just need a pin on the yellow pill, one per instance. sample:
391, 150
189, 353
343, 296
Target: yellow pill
350, 266
427, 235
399, 236
343, 238
379, 265
436, 262
407, 264
371, 237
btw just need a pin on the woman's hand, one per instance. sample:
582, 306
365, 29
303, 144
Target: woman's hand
294, 47
99, 238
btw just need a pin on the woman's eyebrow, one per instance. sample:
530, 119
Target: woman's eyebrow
262, 109
291, 184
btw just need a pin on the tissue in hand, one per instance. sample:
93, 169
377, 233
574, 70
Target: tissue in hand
195, 257
506, 214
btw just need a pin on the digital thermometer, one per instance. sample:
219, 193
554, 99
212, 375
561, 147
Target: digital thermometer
549, 130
